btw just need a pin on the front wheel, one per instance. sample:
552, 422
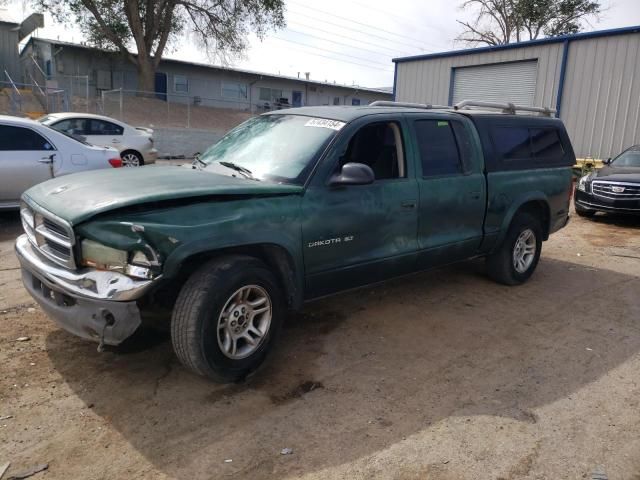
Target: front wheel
227, 317
516, 259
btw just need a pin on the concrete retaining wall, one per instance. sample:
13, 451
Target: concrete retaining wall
175, 142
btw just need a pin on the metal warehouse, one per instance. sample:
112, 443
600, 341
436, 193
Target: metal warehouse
591, 79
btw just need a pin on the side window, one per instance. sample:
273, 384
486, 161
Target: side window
512, 143
380, 146
72, 126
522, 143
438, 148
100, 127
22, 139
545, 143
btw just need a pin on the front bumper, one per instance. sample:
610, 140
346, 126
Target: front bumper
591, 202
92, 304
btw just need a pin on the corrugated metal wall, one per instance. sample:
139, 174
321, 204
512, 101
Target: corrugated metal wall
427, 81
601, 98
9, 60
601, 93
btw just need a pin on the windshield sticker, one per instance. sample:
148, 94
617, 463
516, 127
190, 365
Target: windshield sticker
324, 123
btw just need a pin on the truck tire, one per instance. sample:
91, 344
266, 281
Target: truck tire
227, 317
516, 259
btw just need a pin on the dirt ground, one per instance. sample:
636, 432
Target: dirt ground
443, 375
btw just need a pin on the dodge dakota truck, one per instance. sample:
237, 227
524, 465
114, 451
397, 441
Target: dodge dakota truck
287, 207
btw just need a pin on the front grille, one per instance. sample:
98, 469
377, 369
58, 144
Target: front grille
616, 190
52, 236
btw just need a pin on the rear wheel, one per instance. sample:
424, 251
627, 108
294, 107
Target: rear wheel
517, 258
131, 159
227, 317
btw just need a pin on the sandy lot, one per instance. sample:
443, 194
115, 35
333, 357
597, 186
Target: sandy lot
443, 375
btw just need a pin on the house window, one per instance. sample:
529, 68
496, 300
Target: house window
336, 100
47, 68
270, 94
234, 90
180, 84
355, 101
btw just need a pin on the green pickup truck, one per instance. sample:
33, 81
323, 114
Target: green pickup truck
290, 206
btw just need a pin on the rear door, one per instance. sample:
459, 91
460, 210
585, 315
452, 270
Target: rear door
26, 159
452, 188
103, 133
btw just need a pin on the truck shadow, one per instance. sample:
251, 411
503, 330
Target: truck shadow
356, 373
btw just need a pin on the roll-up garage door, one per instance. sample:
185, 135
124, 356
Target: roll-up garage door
513, 82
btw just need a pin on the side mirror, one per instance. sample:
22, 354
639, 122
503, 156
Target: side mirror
607, 161
353, 174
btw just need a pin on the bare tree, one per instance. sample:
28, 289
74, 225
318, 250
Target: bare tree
148, 26
498, 22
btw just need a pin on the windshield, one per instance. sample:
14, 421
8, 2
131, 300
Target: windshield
278, 148
629, 158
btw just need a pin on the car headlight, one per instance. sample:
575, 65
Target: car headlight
135, 264
582, 183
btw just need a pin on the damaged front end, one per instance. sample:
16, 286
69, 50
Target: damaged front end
87, 287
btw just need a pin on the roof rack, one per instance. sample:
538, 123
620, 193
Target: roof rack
508, 108
387, 103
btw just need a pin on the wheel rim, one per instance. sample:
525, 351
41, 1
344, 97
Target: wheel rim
130, 160
524, 251
244, 322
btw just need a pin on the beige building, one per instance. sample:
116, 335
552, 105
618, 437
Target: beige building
592, 79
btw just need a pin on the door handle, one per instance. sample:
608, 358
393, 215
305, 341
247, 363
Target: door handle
408, 204
115, 141
475, 195
48, 159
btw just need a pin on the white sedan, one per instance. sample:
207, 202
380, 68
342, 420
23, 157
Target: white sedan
135, 144
31, 152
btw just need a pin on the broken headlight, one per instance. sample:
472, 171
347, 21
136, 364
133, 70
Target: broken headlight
135, 264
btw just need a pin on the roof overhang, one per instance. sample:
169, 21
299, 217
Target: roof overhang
530, 43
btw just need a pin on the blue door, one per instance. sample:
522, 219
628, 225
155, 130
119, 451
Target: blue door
161, 86
297, 99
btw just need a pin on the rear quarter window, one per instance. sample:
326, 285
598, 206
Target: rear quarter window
528, 144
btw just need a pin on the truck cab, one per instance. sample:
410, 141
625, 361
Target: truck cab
288, 207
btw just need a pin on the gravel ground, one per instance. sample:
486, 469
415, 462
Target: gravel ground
442, 375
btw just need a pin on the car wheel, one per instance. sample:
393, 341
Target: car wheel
131, 159
517, 258
227, 317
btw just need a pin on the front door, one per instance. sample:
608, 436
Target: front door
161, 86
360, 234
26, 159
296, 99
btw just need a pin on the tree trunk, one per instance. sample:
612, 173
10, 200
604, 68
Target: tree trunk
146, 75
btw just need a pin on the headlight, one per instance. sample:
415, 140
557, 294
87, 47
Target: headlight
100, 256
136, 264
582, 183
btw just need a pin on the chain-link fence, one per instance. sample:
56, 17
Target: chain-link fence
32, 100
175, 110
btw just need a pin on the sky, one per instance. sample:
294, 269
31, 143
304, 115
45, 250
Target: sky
343, 41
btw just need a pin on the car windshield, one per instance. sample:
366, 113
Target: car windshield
277, 148
629, 158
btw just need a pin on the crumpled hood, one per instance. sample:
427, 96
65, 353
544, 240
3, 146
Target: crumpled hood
80, 196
